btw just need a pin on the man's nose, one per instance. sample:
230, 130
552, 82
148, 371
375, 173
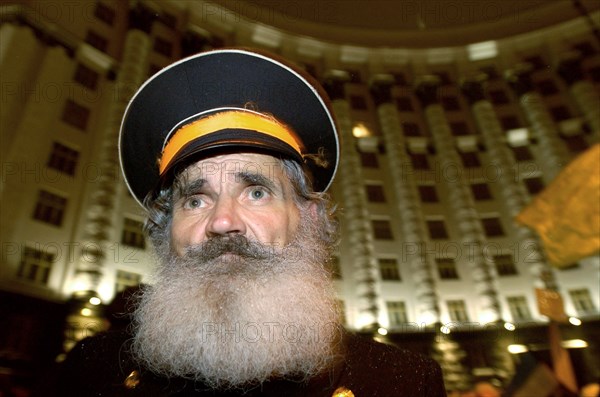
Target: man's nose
225, 218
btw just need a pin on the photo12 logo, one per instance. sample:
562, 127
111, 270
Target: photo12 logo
71, 251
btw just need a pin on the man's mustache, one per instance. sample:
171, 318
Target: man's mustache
235, 244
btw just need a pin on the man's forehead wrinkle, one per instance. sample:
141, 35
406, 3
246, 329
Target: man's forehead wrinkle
239, 170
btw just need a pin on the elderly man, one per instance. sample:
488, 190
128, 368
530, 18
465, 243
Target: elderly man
231, 152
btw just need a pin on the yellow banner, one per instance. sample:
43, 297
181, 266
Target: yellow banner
566, 215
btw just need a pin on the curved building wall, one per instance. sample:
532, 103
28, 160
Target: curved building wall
446, 146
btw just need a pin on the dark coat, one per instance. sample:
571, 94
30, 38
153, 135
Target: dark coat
99, 366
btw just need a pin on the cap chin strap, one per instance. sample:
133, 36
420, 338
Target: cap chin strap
230, 119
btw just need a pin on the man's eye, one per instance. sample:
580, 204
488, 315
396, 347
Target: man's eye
193, 202
257, 193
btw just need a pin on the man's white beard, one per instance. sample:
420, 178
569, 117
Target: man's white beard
237, 320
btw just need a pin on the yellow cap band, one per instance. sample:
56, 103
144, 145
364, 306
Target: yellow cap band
230, 119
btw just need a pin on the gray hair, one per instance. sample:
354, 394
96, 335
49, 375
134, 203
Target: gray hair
159, 204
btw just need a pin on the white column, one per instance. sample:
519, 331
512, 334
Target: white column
100, 211
553, 154
409, 205
514, 194
586, 97
355, 213
462, 205
583, 91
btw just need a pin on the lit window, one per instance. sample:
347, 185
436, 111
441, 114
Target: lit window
470, 159
50, 208
450, 103
492, 227
446, 268
457, 310
510, 122
75, 115
560, 113
369, 160
375, 193
133, 234
105, 14
481, 191
505, 265
519, 309
63, 159
534, 185
428, 194
396, 313
437, 229
522, 153
86, 77
126, 279
411, 129
498, 97
96, 41
388, 269
582, 300
459, 128
35, 265
419, 161
382, 230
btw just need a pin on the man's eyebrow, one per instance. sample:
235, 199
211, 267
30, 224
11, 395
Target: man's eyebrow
189, 188
255, 178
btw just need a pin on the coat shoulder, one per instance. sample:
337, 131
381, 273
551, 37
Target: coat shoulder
94, 366
387, 370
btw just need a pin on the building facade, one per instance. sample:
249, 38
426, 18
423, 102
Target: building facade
443, 145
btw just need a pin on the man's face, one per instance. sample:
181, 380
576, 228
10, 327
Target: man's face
244, 194
245, 291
